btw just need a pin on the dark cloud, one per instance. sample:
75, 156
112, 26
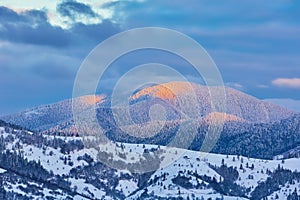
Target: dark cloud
32, 75
72, 8
96, 32
21, 91
205, 14
39, 61
30, 27
54, 72
8, 15
251, 42
36, 16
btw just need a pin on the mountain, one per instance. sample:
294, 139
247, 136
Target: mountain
37, 166
179, 99
260, 140
46, 116
252, 127
193, 97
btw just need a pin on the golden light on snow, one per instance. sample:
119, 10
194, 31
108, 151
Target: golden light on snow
167, 91
91, 100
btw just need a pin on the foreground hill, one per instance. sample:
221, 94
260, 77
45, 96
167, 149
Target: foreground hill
36, 166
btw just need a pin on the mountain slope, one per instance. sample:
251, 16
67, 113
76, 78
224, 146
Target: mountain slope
237, 103
36, 166
252, 127
46, 116
260, 140
179, 99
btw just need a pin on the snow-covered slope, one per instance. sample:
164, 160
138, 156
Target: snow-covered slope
69, 170
179, 99
45, 117
194, 97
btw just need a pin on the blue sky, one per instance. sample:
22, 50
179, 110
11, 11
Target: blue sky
42, 43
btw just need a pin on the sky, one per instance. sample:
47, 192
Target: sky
255, 44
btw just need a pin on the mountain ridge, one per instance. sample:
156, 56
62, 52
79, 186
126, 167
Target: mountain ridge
250, 127
240, 105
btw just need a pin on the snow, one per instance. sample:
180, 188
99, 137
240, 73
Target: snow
77, 197
127, 186
188, 161
2, 171
50, 163
292, 164
55, 163
173, 161
15, 188
31, 112
86, 189
285, 191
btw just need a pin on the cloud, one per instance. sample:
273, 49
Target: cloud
71, 8
287, 82
84, 11
237, 86
214, 15
32, 27
95, 32
78, 12
249, 41
38, 60
263, 86
8, 15
32, 17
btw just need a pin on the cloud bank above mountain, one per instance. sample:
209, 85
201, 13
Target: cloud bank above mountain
252, 43
287, 82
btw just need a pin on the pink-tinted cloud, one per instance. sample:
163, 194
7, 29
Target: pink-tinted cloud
287, 82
